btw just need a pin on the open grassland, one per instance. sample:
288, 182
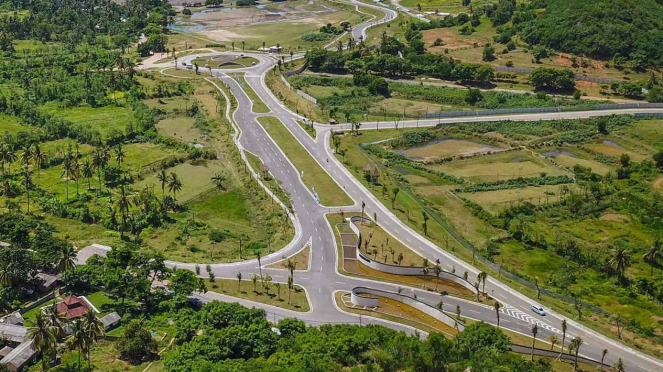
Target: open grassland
447, 148
289, 96
267, 294
102, 119
196, 179
328, 190
615, 150
180, 128
500, 166
170, 104
569, 157
497, 201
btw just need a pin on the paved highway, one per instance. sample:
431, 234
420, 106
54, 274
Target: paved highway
322, 279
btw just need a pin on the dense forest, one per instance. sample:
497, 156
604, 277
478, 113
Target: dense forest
229, 337
604, 29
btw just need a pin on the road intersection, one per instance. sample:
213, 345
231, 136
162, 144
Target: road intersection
323, 279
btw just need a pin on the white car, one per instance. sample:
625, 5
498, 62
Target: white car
538, 309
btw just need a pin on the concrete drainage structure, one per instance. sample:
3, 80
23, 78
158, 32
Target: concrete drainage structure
397, 269
358, 297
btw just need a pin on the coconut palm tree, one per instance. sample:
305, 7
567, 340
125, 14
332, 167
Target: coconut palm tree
43, 337
535, 330
553, 341
123, 205
605, 351
653, 255
55, 319
7, 155
174, 184
260, 268
576, 343
437, 270
620, 261
77, 339
163, 178
66, 259
76, 171
27, 183
67, 167
26, 155
619, 366
94, 329
482, 279
219, 181
497, 306
119, 154
87, 171
239, 281
39, 159
99, 162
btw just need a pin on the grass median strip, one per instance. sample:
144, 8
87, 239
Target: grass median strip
314, 176
258, 105
270, 294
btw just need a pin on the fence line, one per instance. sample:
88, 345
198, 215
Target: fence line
307, 96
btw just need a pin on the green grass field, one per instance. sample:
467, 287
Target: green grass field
196, 179
257, 104
329, 191
180, 128
500, 166
102, 119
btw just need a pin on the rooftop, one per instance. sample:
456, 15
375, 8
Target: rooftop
73, 306
19, 356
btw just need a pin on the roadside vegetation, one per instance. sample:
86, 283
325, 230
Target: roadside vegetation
567, 204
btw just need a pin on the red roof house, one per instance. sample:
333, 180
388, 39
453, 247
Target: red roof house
73, 306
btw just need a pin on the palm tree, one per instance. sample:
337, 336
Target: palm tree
26, 155
67, 259
119, 154
290, 285
553, 341
219, 181
42, 336
620, 365
576, 343
260, 268
76, 172
620, 261
438, 270
87, 171
653, 255
7, 155
55, 319
99, 161
67, 167
290, 265
425, 272
239, 281
563, 335
254, 279
123, 204
174, 184
535, 330
77, 339
482, 278
497, 306
605, 351
163, 178
27, 182
94, 329
39, 158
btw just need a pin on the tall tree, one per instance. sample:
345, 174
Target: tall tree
123, 205
653, 255
43, 338
163, 178
77, 339
620, 261
174, 184
99, 161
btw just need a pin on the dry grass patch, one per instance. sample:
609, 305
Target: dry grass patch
300, 259
497, 201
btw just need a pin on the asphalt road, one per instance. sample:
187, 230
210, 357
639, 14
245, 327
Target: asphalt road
322, 279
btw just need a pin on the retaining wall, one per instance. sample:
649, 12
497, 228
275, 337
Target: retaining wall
397, 269
410, 301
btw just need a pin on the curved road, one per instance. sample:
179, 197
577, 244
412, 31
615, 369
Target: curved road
322, 279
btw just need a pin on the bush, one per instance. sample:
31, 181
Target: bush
552, 78
137, 344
